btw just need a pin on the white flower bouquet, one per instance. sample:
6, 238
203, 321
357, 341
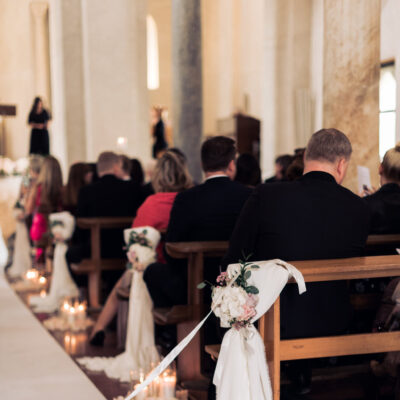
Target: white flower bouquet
234, 300
62, 226
140, 247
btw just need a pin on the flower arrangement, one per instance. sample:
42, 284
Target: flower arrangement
234, 299
140, 252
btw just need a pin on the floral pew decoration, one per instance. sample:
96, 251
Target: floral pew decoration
22, 260
241, 296
62, 285
140, 351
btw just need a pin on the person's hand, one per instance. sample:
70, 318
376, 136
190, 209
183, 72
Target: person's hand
367, 191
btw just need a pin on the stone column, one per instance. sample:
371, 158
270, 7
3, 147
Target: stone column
115, 77
39, 11
187, 81
351, 79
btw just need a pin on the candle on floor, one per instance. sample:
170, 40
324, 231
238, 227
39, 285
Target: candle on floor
143, 394
65, 310
32, 275
43, 293
72, 315
81, 312
42, 280
167, 386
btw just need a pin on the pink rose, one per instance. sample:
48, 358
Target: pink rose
252, 300
248, 313
222, 277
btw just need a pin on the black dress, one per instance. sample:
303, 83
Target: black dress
39, 143
159, 138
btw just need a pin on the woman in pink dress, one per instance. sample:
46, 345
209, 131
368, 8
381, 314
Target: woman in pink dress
44, 199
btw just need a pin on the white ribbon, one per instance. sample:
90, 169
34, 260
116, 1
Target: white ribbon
241, 372
22, 251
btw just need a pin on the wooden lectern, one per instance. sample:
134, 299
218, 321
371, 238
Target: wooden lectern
5, 111
245, 130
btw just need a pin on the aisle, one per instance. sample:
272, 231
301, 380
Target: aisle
32, 364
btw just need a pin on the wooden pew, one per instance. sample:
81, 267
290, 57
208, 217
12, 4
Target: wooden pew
186, 317
295, 349
95, 264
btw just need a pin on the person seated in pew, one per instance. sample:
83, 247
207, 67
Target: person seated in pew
80, 174
109, 196
203, 213
248, 171
171, 176
311, 218
384, 204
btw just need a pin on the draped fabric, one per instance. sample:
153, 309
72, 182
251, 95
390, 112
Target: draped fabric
242, 372
140, 350
3, 252
62, 284
22, 251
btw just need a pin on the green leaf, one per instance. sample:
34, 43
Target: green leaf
247, 275
201, 285
255, 266
252, 290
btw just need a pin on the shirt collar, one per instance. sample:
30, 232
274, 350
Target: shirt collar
217, 176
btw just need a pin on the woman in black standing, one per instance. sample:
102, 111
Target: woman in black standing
38, 120
159, 142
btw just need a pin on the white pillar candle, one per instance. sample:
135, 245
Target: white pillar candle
167, 387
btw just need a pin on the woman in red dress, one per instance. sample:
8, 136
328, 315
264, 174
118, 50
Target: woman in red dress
170, 177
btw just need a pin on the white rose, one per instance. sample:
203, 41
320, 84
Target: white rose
233, 270
58, 232
141, 256
228, 303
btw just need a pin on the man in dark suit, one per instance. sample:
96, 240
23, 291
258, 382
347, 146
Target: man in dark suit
203, 213
384, 204
109, 196
311, 218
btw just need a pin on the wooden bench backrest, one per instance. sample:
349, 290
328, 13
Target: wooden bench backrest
195, 252
95, 225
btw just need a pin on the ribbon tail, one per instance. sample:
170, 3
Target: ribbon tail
168, 359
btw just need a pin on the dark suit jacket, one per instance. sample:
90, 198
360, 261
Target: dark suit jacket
203, 213
107, 197
311, 218
207, 211
384, 208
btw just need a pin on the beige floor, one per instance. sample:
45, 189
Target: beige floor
32, 364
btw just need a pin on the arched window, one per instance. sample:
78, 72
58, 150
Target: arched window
387, 108
153, 77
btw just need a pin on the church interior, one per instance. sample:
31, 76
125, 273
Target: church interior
120, 124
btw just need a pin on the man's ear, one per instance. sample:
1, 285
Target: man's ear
341, 169
231, 169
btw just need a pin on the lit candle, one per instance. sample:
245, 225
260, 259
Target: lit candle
72, 315
167, 386
42, 280
81, 312
143, 394
32, 275
65, 310
43, 293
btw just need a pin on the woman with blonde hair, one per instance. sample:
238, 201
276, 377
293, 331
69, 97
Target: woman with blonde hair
384, 204
44, 199
170, 177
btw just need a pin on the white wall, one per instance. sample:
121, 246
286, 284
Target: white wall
16, 72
